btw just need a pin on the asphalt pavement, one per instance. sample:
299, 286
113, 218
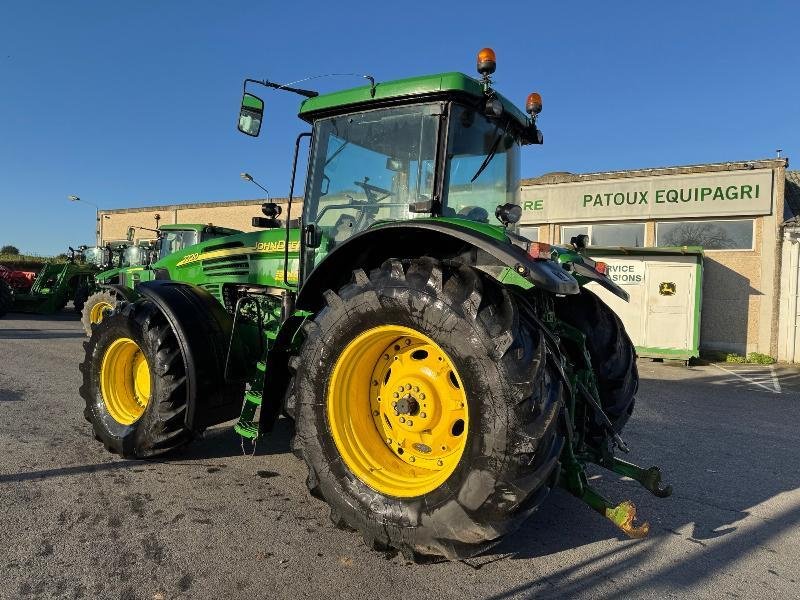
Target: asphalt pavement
211, 522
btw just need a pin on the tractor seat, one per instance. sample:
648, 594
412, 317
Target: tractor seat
344, 228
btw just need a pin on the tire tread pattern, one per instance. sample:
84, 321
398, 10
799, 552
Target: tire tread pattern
517, 437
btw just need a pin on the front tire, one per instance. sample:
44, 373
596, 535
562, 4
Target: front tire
96, 307
134, 383
459, 339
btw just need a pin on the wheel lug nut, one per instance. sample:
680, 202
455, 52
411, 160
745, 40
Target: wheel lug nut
422, 415
416, 389
402, 419
374, 382
386, 357
439, 463
400, 389
396, 413
375, 413
408, 386
411, 459
422, 396
410, 422
396, 395
389, 441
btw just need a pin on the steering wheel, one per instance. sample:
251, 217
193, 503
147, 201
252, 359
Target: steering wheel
372, 191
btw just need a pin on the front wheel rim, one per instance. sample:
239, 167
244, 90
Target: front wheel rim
397, 411
97, 311
125, 383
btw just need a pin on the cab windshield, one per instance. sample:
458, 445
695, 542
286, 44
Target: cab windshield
370, 166
172, 241
133, 256
95, 256
482, 169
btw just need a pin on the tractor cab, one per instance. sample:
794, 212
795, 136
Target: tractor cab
135, 255
451, 157
98, 256
443, 146
173, 238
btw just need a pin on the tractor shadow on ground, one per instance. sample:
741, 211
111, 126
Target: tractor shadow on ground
561, 523
39, 334
222, 442
64, 315
728, 448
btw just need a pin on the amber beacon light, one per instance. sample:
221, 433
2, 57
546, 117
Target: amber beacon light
487, 62
533, 104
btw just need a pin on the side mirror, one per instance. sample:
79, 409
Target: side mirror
251, 114
394, 164
131, 233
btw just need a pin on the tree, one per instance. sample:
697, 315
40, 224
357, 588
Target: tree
9, 249
707, 235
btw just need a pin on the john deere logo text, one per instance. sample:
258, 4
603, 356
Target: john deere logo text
276, 246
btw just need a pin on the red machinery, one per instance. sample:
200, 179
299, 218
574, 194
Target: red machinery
20, 281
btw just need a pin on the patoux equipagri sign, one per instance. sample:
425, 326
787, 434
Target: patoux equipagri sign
664, 196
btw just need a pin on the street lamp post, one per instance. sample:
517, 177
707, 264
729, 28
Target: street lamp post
72, 198
248, 177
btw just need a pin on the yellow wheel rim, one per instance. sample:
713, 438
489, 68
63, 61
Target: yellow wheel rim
125, 381
397, 411
96, 312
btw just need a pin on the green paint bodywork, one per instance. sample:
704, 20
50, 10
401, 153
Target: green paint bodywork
55, 285
497, 232
411, 88
255, 257
132, 275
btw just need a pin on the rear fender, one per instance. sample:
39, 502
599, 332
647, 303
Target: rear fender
203, 329
410, 239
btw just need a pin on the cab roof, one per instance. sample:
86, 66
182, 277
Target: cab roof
195, 227
440, 84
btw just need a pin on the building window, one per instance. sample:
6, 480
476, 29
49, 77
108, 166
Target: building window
530, 232
711, 235
630, 235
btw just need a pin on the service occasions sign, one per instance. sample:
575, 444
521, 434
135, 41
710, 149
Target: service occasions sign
717, 194
624, 272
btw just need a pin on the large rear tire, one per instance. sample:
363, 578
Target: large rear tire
611, 350
134, 383
6, 298
475, 377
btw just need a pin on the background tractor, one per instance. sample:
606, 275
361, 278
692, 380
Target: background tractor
443, 373
145, 262
57, 283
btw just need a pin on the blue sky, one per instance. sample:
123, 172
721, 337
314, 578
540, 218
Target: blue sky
135, 103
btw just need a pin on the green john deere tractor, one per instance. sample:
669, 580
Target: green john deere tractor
58, 283
442, 372
145, 262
